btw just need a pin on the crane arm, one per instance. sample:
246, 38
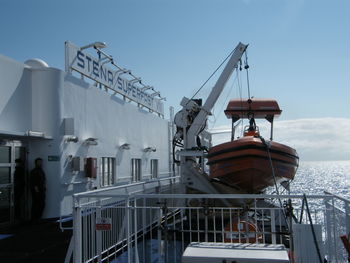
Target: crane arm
201, 118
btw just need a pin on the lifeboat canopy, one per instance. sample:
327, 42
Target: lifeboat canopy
256, 108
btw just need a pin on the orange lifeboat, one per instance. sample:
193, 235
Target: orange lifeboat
245, 163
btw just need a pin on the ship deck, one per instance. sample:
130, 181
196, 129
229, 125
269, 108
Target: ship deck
42, 241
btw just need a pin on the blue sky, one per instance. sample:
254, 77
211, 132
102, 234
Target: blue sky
299, 50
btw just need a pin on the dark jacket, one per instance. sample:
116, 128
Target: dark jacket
37, 181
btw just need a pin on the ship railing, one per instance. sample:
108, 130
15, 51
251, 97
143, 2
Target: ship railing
158, 227
165, 181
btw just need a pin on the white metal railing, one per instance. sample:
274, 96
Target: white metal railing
84, 205
158, 227
169, 178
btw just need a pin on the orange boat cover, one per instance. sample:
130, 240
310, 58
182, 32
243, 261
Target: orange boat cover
261, 108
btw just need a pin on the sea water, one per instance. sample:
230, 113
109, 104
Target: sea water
317, 177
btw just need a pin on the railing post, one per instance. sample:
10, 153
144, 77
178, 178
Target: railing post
136, 252
328, 229
128, 232
273, 226
334, 231
159, 235
347, 217
99, 232
77, 230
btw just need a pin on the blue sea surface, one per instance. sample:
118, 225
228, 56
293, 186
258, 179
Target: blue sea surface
317, 177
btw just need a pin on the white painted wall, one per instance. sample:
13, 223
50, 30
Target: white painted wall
113, 122
15, 90
40, 99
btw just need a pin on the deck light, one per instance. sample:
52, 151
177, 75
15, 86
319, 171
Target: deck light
146, 88
91, 141
35, 134
97, 44
150, 149
74, 139
125, 146
155, 94
135, 80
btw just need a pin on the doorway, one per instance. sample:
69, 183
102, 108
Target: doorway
10, 151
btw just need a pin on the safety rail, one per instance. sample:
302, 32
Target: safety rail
157, 227
130, 188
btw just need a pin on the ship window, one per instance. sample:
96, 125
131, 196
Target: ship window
136, 169
5, 154
107, 171
154, 168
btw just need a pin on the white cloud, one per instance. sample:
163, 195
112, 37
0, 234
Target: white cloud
314, 139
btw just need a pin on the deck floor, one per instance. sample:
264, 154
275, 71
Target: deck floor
41, 241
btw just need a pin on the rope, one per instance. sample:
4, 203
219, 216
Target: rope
246, 67
274, 178
241, 98
270, 161
313, 229
205, 82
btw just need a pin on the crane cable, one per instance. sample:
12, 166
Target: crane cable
225, 101
240, 96
246, 67
274, 178
205, 82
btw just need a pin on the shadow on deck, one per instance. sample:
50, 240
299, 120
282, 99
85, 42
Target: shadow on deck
42, 241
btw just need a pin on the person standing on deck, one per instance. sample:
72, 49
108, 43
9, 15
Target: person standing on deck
38, 189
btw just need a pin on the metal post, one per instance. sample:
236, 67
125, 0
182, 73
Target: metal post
233, 129
136, 253
66, 58
206, 224
144, 229
160, 252
98, 232
328, 229
291, 234
335, 238
99, 59
271, 135
128, 229
171, 136
347, 217
77, 231
273, 226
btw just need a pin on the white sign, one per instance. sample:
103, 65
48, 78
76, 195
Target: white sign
92, 68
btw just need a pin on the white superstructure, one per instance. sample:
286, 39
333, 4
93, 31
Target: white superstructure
64, 119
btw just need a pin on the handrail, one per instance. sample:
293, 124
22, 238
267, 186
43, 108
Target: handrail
128, 207
88, 181
337, 196
228, 196
153, 180
96, 193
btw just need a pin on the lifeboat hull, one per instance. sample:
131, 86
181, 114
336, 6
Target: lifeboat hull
245, 164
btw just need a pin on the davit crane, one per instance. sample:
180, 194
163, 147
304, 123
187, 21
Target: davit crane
191, 121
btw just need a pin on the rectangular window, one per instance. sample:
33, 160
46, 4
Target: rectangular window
136, 169
5, 154
107, 171
154, 168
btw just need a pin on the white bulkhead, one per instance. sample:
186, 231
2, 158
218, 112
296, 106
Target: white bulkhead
64, 119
